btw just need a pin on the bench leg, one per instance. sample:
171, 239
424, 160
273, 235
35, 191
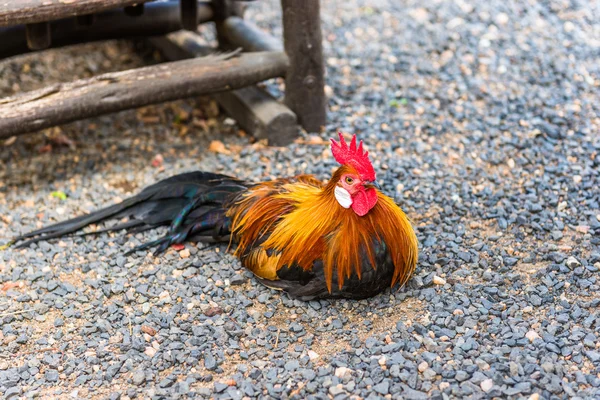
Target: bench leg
38, 35
305, 81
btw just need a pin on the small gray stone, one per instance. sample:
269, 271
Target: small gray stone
139, 377
572, 262
117, 288
220, 387
382, 388
461, 376
465, 256
12, 392
335, 390
593, 355
51, 375
22, 339
209, 362
292, 365
237, 279
114, 396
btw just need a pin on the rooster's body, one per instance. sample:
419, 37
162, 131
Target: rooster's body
312, 240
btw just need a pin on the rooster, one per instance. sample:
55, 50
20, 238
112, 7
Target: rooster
313, 240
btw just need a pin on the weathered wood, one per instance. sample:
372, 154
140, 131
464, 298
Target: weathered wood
38, 35
16, 12
85, 20
245, 34
189, 9
118, 91
224, 9
255, 110
158, 19
261, 115
181, 45
135, 10
304, 81
221, 9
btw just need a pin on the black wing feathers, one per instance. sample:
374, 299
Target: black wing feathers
190, 203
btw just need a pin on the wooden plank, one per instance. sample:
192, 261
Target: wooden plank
17, 12
245, 34
118, 91
224, 9
157, 19
86, 20
261, 115
254, 109
189, 9
305, 80
135, 10
38, 35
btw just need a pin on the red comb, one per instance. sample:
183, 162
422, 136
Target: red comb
354, 156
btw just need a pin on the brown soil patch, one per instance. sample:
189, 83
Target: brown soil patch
124, 185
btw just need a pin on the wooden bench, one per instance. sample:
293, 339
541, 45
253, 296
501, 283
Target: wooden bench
33, 25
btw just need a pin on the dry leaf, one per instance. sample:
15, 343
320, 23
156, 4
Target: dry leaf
45, 149
183, 130
235, 149
183, 115
212, 110
11, 140
60, 139
11, 285
259, 145
200, 123
158, 161
212, 311
149, 330
312, 139
185, 253
151, 119
216, 146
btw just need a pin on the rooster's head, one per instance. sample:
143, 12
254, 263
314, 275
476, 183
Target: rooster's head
356, 184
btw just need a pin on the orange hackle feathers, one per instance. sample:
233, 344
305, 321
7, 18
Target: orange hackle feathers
300, 222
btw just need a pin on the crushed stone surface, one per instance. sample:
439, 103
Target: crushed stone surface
483, 123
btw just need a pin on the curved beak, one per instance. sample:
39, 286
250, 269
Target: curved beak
371, 184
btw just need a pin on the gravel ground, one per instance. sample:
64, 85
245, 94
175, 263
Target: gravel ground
483, 122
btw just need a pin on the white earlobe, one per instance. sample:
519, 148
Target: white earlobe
343, 197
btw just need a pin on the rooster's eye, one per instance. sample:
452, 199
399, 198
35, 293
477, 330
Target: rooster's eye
349, 180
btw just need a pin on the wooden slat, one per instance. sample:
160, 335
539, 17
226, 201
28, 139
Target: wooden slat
189, 8
117, 91
247, 35
261, 115
222, 10
159, 18
135, 10
17, 12
38, 36
253, 108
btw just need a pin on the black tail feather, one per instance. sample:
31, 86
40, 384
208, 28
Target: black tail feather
72, 225
191, 204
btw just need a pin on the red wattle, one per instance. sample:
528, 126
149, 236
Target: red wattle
363, 201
